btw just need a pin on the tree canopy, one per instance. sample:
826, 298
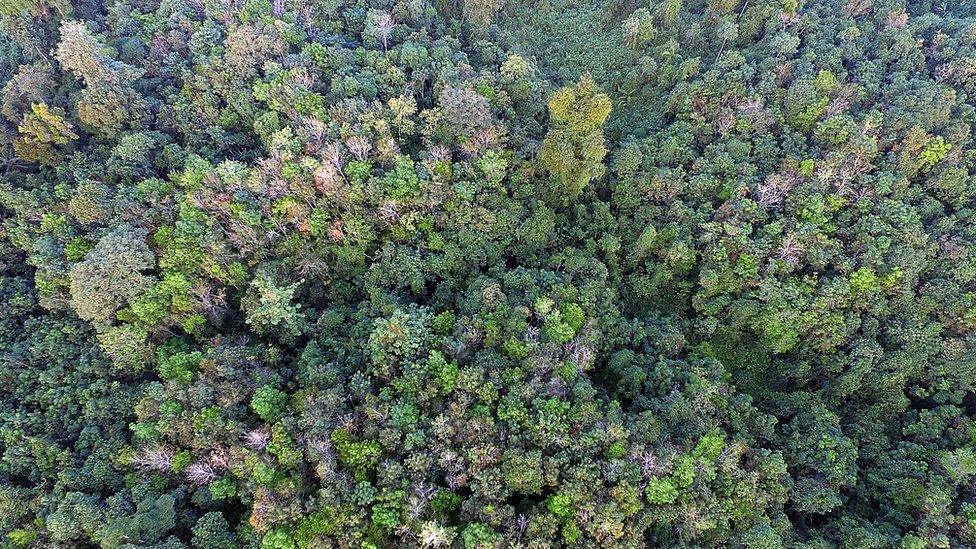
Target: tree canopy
416, 273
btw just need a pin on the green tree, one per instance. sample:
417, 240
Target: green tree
111, 275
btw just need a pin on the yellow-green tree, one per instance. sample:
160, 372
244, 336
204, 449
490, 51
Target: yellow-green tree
574, 147
42, 132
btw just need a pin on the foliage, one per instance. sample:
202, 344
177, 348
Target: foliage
487, 274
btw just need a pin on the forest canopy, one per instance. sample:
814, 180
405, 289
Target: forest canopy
487, 274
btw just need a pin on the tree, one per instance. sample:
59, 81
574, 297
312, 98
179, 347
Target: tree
44, 135
111, 275
574, 146
32, 84
109, 102
212, 532
638, 28
481, 12
269, 307
380, 27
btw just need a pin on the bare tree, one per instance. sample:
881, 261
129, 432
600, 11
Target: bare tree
257, 439
383, 26
157, 460
200, 473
